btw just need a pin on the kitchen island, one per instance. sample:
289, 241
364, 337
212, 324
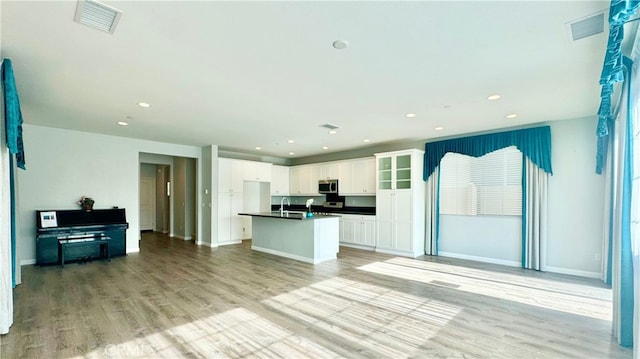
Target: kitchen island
295, 236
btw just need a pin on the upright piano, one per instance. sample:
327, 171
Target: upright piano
57, 225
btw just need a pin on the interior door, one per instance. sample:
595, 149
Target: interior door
147, 203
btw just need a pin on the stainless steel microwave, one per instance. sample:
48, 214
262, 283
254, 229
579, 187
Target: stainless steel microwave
328, 186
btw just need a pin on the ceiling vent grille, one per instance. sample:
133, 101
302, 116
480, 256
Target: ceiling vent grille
586, 26
97, 15
330, 126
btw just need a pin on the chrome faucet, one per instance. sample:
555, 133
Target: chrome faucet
282, 204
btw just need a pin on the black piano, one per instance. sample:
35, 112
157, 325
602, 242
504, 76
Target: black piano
79, 225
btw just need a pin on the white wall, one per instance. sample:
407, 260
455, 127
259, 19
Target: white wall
64, 165
576, 200
493, 239
576, 197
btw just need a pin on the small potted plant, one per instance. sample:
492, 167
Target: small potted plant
86, 203
308, 205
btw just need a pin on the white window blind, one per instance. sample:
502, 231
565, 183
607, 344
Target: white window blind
488, 185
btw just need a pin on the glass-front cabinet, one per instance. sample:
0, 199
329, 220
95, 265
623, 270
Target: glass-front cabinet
394, 172
384, 173
400, 203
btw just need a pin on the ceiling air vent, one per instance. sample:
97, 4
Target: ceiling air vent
329, 126
586, 26
97, 15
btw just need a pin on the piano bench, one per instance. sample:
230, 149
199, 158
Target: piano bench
103, 242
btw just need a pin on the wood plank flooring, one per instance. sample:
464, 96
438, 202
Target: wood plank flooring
178, 300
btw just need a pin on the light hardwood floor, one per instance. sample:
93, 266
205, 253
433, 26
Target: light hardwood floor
175, 299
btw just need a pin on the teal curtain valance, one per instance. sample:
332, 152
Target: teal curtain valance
12, 113
620, 11
535, 143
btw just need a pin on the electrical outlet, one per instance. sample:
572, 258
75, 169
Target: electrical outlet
597, 257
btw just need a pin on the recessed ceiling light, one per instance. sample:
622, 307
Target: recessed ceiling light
366, 140
291, 153
493, 97
439, 128
410, 115
144, 104
258, 148
511, 115
123, 123
340, 44
291, 141
333, 132
325, 147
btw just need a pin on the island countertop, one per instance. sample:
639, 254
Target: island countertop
308, 239
288, 215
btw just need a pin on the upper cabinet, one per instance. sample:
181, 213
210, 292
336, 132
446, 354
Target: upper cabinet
257, 171
397, 170
364, 177
355, 177
230, 175
329, 170
279, 180
303, 180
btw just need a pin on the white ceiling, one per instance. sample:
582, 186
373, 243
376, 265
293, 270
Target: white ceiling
247, 74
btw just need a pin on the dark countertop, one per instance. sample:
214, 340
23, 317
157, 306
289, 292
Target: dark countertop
287, 215
320, 209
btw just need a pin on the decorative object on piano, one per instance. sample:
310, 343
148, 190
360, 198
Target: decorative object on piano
86, 203
308, 204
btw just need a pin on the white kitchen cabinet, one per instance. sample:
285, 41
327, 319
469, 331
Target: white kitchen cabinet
345, 177
294, 180
364, 177
357, 177
231, 226
400, 203
257, 171
358, 231
329, 170
279, 180
304, 180
230, 201
230, 175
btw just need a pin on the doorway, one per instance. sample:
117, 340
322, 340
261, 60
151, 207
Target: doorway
168, 195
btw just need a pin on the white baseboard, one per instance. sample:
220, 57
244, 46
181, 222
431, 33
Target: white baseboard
357, 246
187, 238
398, 253
480, 259
135, 250
238, 241
291, 256
576, 272
27, 262
205, 244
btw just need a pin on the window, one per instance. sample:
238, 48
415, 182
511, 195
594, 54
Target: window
488, 185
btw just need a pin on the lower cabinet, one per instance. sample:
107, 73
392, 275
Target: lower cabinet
358, 231
231, 226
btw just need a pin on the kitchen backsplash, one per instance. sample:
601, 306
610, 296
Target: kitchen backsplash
350, 201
